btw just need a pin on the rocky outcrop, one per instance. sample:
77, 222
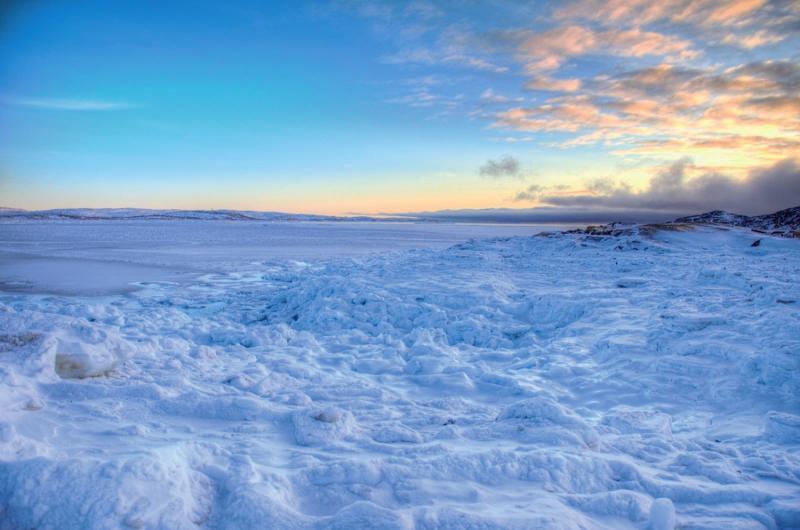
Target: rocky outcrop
784, 223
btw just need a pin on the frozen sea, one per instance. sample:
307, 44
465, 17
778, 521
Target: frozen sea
101, 257
225, 375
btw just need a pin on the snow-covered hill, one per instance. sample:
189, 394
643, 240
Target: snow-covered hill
563, 381
785, 222
107, 214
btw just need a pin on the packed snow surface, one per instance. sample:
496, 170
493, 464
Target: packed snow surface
649, 380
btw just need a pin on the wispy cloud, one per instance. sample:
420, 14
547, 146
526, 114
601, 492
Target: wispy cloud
449, 56
548, 50
749, 40
67, 104
697, 12
549, 84
490, 96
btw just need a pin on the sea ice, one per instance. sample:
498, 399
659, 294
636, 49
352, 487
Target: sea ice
648, 380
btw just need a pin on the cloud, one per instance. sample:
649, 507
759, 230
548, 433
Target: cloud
418, 98
432, 57
422, 97
453, 47
765, 190
697, 12
490, 96
746, 115
642, 80
507, 166
546, 214
550, 84
531, 193
68, 104
561, 115
750, 40
547, 50
511, 139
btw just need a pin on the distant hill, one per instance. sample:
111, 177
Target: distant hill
131, 214
784, 223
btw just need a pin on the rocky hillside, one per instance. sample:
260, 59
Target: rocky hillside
783, 223
715, 217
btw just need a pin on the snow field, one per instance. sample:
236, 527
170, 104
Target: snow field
561, 381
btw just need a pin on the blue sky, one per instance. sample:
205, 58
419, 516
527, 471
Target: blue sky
349, 106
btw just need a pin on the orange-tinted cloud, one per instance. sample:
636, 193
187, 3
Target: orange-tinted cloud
547, 50
747, 115
699, 12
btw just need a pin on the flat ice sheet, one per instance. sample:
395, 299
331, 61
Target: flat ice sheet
223, 244
73, 276
566, 382
106, 257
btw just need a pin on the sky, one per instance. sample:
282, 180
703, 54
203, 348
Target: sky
341, 107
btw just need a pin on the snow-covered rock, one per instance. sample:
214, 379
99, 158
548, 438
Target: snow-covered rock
662, 515
323, 426
784, 222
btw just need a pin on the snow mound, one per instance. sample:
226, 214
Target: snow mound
318, 427
157, 490
662, 515
82, 351
546, 417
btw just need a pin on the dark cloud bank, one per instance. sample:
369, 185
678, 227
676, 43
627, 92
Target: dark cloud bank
765, 191
670, 194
